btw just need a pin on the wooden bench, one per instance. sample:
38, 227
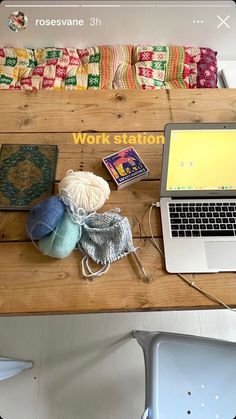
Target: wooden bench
33, 284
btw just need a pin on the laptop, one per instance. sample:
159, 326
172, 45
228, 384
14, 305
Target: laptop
198, 197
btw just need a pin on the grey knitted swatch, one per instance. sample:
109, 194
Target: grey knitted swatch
106, 237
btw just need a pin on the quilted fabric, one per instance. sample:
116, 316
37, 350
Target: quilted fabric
151, 66
56, 68
15, 63
207, 68
108, 67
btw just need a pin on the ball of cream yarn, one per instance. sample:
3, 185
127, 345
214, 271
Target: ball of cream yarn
85, 189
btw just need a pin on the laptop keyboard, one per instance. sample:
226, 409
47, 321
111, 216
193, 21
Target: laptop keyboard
211, 219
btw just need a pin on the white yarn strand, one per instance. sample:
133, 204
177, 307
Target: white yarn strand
77, 214
92, 274
186, 280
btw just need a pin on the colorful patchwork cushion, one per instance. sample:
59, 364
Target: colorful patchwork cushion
116, 67
207, 69
56, 68
65, 68
104, 67
176, 67
108, 67
14, 64
182, 67
191, 59
151, 66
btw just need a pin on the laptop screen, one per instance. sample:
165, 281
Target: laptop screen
202, 160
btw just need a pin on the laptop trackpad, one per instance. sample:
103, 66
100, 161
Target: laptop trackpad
221, 255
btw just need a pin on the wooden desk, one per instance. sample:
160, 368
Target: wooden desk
33, 284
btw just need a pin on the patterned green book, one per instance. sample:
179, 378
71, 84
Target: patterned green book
27, 175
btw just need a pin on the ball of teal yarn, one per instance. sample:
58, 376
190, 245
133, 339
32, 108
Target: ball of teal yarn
61, 242
44, 217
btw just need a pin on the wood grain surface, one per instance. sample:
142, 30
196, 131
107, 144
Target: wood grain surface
85, 156
31, 283
55, 111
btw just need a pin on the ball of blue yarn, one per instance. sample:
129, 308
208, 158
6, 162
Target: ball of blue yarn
44, 217
62, 241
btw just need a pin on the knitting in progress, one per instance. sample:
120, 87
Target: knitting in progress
69, 221
105, 238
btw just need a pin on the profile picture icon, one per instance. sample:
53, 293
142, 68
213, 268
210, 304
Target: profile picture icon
17, 21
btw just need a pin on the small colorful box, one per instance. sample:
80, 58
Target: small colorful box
125, 167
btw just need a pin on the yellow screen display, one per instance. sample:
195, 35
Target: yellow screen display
202, 160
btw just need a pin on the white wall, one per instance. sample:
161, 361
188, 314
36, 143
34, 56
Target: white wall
88, 366
155, 22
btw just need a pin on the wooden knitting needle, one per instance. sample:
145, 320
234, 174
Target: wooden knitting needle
139, 262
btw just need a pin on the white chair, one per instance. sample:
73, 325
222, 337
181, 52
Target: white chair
11, 367
188, 376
